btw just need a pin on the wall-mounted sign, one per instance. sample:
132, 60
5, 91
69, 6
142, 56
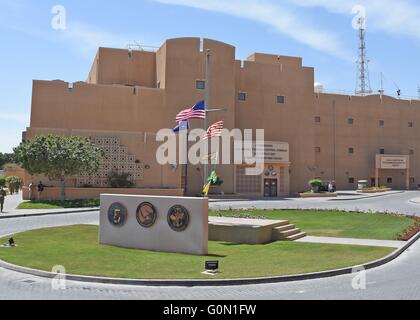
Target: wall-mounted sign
394, 162
274, 152
117, 214
178, 218
146, 214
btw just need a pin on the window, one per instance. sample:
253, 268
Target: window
389, 180
317, 119
158, 85
317, 149
351, 150
411, 152
412, 180
352, 180
411, 124
200, 84
242, 96
382, 151
350, 121
381, 123
280, 99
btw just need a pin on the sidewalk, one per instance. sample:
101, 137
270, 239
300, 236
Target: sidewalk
352, 241
11, 203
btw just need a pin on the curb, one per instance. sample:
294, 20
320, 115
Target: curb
369, 197
28, 215
220, 282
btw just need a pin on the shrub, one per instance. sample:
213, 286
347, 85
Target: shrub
120, 180
315, 183
2, 181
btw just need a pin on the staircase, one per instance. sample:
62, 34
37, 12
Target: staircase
288, 232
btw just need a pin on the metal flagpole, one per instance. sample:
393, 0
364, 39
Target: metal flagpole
206, 107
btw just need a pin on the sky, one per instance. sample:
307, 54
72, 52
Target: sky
58, 39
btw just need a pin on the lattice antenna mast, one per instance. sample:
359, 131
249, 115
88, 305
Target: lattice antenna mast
363, 81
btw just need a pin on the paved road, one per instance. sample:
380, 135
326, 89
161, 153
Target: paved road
399, 279
397, 203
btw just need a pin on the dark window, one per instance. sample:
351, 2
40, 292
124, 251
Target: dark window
411, 124
317, 149
200, 84
389, 180
381, 123
242, 96
382, 151
411, 152
351, 150
412, 180
352, 180
350, 121
280, 99
317, 119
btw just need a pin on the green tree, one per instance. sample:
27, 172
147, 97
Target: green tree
6, 158
59, 157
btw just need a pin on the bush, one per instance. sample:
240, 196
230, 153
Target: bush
120, 180
2, 181
315, 183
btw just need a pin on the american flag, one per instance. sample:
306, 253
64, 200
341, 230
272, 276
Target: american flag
215, 130
196, 112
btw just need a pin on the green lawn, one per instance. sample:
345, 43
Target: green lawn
77, 249
86, 203
335, 223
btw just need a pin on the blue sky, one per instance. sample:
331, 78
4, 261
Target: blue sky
320, 31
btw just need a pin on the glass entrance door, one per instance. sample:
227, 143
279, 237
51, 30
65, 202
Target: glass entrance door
270, 188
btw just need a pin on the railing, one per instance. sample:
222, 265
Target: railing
352, 93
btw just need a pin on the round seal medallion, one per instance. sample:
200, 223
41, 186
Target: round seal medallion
117, 214
178, 218
146, 214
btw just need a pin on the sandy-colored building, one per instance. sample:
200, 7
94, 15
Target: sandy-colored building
131, 94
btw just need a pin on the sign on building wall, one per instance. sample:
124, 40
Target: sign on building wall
274, 152
394, 162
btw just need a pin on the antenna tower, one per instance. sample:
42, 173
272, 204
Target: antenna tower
363, 81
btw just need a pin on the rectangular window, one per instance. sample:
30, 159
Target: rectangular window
200, 84
280, 99
381, 123
350, 121
382, 151
242, 96
352, 180
411, 152
411, 124
412, 180
317, 149
389, 180
317, 119
351, 150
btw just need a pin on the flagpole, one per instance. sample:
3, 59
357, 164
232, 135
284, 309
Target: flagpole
206, 107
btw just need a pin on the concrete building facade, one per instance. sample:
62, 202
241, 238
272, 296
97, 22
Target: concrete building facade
130, 95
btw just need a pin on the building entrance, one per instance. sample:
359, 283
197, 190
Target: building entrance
270, 188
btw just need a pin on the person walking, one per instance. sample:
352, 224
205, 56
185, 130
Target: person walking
31, 191
2, 197
40, 190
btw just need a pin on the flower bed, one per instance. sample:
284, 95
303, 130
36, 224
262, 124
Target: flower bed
411, 230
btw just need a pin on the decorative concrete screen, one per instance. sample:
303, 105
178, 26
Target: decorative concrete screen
166, 224
116, 159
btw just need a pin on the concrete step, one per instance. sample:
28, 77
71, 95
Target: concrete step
288, 233
296, 236
284, 228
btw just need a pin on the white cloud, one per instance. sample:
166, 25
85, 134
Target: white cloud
277, 16
400, 17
